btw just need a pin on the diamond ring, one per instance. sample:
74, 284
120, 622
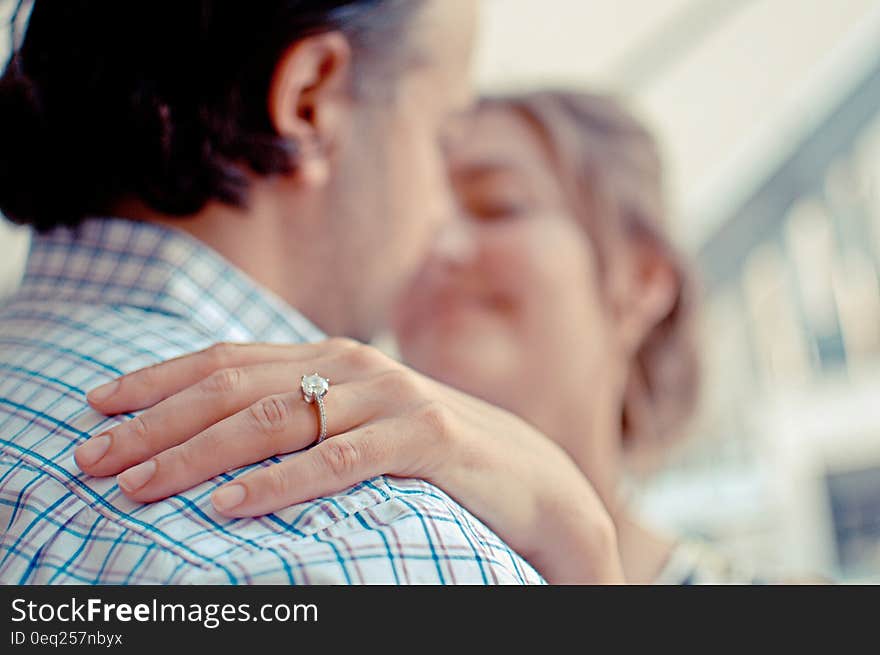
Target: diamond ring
314, 388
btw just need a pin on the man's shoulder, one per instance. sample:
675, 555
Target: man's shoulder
63, 523
52, 353
114, 337
382, 531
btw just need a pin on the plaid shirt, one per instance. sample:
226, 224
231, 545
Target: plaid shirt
118, 295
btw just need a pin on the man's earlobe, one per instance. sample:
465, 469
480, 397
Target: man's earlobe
313, 171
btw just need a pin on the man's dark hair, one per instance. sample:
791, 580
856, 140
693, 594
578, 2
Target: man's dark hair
160, 100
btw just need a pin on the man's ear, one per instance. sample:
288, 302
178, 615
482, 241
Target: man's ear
645, 291
309, 100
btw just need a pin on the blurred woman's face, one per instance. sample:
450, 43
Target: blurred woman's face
508, 307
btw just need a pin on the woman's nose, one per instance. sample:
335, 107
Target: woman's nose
455, 244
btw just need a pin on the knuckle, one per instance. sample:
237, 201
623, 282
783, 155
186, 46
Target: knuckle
339, 456
343, 343
189, 456
277, 481
435, 416
221, 354
271, 415
224, 381
400, 383
139, 428
365, 358
138, 436
150, 376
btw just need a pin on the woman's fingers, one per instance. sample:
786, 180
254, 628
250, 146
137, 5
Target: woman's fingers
180, 417
148, 386
186, 413
271, 426
331, 466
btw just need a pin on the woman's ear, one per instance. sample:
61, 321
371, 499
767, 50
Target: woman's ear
645, 292
309, 101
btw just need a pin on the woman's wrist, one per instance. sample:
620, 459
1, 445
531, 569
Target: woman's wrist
587, 556
577, 541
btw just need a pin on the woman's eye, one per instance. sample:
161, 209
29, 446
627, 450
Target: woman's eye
499, 209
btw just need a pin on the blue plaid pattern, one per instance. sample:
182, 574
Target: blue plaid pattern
116, 295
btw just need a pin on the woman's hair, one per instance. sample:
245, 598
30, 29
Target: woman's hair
161, 100
611, 171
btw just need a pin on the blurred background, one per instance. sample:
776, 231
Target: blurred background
769, 115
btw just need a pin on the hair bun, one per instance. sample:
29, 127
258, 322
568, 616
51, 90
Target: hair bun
23, 135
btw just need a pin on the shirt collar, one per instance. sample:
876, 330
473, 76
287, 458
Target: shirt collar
133, 263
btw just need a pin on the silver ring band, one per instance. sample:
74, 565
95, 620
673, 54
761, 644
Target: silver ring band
322, 418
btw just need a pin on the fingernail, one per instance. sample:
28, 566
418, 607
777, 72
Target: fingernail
137, 476
102, 393
228, 497
92, 450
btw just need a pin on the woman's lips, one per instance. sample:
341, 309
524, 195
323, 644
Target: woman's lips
448, 307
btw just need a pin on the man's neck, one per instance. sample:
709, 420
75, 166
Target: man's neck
258, 240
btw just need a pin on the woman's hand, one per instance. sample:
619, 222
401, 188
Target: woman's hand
233, 405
